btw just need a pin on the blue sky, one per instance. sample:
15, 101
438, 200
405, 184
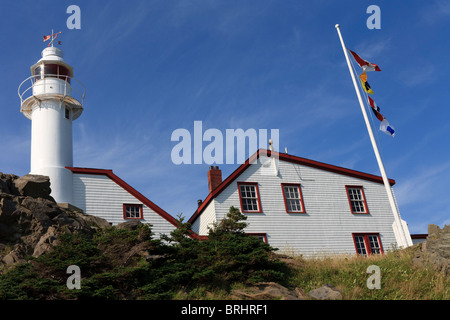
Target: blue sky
151, 67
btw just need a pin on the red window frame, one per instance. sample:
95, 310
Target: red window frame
255, 184
141, 211
298, 185
367, 244
363, 196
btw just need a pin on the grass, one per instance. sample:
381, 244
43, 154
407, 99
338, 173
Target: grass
400, 279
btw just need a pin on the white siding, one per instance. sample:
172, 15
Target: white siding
205, 220
327, 225
100, 196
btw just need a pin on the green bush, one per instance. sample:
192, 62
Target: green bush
23, 283
182, 263
229, 255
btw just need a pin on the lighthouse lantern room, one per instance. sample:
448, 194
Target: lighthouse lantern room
52, 98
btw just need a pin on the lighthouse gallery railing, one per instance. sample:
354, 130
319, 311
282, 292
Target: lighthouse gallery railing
26, 92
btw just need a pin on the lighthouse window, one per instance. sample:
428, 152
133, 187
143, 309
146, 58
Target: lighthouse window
63, 73
56, 71
37, 73
51, 70
67, 113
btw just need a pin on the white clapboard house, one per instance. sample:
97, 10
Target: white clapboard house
101, 193
302, 206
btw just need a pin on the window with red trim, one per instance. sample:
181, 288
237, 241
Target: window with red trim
357, 199
293, 198
133, 211
367, 244
249, 197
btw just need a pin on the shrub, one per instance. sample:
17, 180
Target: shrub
229, 255
112, 266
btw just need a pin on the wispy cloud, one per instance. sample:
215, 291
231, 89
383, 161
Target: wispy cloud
370, 49
422, 196
436, 11
126, 152
113, 25
419, 74
348, 153
420, 145
427, 185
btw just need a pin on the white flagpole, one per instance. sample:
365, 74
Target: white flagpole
403, 241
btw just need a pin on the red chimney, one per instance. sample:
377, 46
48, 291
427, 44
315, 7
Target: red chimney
214, 178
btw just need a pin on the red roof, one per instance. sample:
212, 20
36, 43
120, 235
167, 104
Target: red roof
288, 158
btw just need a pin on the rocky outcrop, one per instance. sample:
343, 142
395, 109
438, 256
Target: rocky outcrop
267, 291
326, 292
31, 220
275, 291
6, 181
435, 251
35, 186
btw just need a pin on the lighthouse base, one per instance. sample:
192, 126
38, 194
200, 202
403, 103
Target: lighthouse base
61, 183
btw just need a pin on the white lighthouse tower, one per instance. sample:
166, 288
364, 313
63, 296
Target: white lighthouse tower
52, 98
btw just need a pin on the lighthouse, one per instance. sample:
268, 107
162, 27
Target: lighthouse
52, 99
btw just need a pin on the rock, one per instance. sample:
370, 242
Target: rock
44, 208
7, 208
129, 225
435, 251
46, 242
31, 221
95, 222
35, 186
12, 258
6, 181
326, 292
268, 291
433, 231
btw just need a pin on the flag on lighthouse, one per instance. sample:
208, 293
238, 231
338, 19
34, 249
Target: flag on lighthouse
365, 65
52, 37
